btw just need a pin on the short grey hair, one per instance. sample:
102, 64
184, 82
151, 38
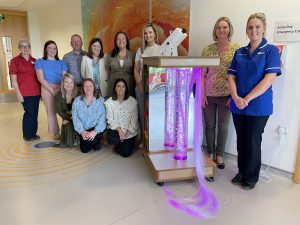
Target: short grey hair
23, 41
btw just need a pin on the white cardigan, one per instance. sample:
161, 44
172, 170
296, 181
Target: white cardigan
87, 72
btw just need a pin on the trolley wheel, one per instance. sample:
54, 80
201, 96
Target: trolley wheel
160, 183
210, 179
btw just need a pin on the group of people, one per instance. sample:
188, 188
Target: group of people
241, 84
90, 92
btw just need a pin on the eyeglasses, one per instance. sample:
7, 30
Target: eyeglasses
24, 46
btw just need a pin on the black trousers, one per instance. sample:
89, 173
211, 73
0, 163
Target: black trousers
125, 147
249, 130
30, 116
86, 145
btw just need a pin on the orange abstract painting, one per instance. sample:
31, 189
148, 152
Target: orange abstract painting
104, 18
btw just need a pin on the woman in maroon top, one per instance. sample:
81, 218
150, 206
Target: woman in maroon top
28, 89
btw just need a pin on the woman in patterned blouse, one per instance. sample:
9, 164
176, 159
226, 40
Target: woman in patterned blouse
216, 95
122, 119
88, 114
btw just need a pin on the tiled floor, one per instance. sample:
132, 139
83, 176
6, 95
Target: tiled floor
64, 187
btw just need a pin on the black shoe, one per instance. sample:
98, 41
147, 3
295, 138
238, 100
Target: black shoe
97, 147
116, 149
36, 137
247, 186
237, 180
219, 165
28, 139
210, 179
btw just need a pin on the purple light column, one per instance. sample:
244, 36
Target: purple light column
182, 105
170, 107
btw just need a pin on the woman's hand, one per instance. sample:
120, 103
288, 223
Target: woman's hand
20, 97
56, 91
204, 102
91, 135
127, 133
240, 102
122, 135
84, 135
52, 91
64, 122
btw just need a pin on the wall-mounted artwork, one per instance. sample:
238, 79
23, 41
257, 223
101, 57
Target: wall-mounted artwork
104, 18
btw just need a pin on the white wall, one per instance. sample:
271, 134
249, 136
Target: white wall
34, 33
62, 20
58, 23
204, 13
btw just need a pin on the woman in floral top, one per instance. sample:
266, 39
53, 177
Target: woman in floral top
216, 95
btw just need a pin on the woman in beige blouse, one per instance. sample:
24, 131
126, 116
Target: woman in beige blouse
216, 94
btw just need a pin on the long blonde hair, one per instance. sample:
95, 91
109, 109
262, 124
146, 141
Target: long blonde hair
62, 89
144, 43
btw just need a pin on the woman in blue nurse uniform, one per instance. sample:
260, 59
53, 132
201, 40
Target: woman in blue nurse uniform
251, 74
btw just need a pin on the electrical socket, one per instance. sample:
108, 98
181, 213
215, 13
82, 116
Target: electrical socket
282, 130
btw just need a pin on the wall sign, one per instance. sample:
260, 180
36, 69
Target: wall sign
287, 31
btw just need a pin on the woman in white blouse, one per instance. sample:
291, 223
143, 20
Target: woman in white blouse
122, 119
93, 66
149, 48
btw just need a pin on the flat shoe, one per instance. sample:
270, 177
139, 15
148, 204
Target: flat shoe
56, 137
116, 149
28, 139
237, 180
220, 165
247, 186
97, 147
141, 145
36, 137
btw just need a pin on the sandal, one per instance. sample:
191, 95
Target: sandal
219, 165
56, 136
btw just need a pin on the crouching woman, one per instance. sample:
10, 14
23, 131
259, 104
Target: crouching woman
88, 113
122, 119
